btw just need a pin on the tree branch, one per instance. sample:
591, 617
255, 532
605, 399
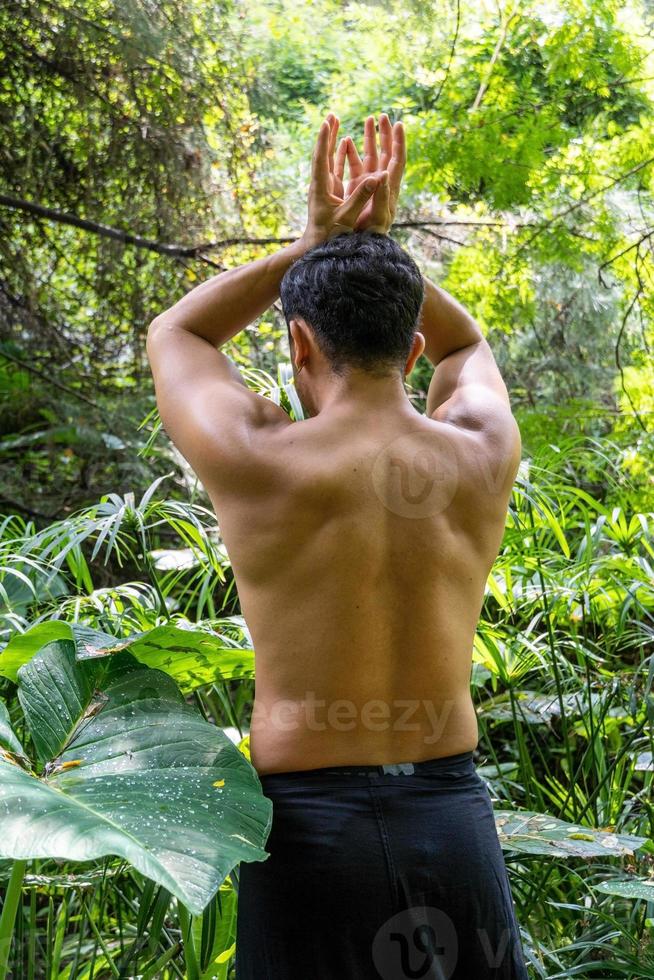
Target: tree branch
504, 29
455, 38
197, 251
53, 381
177, 251
625, 251
578, 204
116, 234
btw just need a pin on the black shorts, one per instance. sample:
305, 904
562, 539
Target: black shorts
379, 872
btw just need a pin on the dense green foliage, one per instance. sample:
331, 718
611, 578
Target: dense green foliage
134, 792
147, 145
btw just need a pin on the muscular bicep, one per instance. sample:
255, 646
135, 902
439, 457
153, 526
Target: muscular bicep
205, 406
463, 378
467, 391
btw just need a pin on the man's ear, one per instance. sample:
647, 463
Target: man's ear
417, 347
300, 347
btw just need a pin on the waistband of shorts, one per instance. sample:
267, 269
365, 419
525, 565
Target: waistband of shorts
461, 760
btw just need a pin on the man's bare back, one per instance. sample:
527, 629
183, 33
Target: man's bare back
361, 538
361, 545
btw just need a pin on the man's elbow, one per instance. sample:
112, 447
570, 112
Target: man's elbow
159, 329
155, 334
156, 325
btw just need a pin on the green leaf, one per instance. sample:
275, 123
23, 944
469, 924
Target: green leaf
62, 879
538, 833
139, 774
215, 933
192, 657
535, 708
55, 695
23, 646
8, 739
497, 770
495, 589
287, 383
628, 887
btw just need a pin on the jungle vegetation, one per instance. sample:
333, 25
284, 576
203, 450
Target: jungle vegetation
146, 146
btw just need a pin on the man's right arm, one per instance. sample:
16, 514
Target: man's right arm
467, 389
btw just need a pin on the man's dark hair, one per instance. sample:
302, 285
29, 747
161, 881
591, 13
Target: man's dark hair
361, 294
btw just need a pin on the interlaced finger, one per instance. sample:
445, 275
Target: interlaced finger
397, 162
334, 123
320, 161
379, 214
385, 141
354, 163
369, 145
341, 157
351, 209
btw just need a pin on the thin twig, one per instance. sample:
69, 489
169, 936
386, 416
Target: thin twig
455, 38
504, 29
53, 381
619, 255
618, 362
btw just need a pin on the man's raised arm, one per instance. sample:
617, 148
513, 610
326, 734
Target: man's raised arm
467, 389
204, 403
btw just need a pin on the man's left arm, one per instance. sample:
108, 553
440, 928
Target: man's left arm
203, 401
205, 406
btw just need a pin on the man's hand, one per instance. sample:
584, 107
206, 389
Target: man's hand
378, 213
330, 213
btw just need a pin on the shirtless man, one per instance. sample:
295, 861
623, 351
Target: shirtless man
361, 539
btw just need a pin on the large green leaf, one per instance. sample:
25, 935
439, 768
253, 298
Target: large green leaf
130, 770
55, 694
192, 657
535, 708
62, 879
23, 646
23, 583
8, 739
538, 833
628, 887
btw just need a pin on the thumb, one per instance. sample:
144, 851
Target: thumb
352, 208
378, 219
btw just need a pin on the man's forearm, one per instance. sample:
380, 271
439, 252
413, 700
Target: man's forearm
446, 325
222, 306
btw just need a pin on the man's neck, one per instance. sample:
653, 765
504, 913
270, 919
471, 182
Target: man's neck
359, 393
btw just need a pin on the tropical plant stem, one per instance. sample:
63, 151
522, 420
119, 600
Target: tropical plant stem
110, 963
553, 652
8, 917
190, 955
157, 967
149, 567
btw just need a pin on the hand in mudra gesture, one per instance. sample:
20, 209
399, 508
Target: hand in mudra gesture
369, 199
378, 213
